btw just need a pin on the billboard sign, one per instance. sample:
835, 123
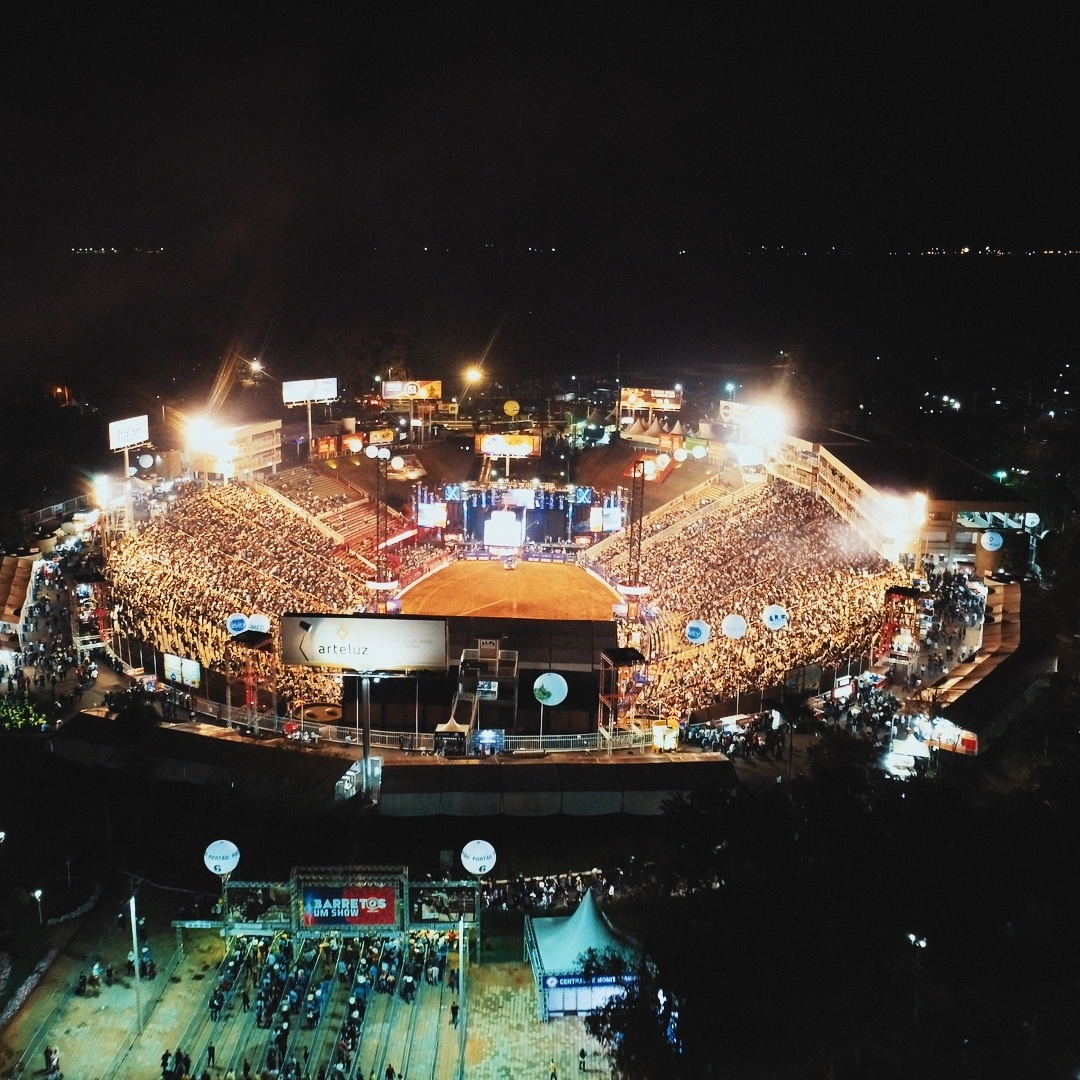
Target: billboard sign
381, 437
444, 903
301, 391
130, 432
662, 400
412, 390
180, 670
513, 444
364, 642
329, 906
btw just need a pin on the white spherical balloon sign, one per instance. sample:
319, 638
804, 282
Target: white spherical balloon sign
478, 857
991, 540
774, 617
221, 857
733, 626
550, 688
697, 632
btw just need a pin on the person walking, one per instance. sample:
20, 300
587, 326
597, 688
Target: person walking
210, 1052
554, 1071
454, 1011
245, 1000
581, 1060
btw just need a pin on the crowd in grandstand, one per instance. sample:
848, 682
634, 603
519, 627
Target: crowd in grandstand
232, 548
775, 544
221, 550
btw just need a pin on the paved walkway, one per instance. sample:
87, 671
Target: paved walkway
98, 1039
506, 1040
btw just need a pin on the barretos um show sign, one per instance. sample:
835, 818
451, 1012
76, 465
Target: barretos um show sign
349, 905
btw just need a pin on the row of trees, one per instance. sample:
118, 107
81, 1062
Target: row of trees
859, 928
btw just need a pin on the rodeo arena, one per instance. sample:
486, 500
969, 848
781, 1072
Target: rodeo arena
501, 641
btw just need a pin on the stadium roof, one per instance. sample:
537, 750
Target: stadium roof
942, 477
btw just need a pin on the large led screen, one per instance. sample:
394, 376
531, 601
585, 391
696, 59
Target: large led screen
503, 529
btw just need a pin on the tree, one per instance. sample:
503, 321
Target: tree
639, 1028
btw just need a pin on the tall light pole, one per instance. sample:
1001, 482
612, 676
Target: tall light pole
473, 375
36, 894
138, 958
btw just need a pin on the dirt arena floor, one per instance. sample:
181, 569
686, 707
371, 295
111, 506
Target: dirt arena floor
532, 590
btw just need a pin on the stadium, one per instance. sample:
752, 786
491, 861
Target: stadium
684, 582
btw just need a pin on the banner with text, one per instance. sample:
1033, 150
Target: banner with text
328, 906
364, 642
662, 400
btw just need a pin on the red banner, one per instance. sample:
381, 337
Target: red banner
350, 905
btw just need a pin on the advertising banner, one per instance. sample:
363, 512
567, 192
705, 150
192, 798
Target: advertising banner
442, 903
301, 391
342, 906
513, 444
412, 390
662, 400
180, 670
130, 432
381, 436
364, 642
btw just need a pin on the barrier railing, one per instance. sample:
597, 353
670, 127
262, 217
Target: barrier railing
426, 741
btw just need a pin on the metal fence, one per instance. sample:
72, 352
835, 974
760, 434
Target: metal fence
419, 741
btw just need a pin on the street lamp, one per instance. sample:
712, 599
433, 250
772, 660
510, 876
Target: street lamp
472, 376
730, 389
36, 894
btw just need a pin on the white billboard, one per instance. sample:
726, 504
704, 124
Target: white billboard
364, 642
301, 391
181, 670
130, 432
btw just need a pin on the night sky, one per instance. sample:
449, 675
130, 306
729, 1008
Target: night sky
332, 190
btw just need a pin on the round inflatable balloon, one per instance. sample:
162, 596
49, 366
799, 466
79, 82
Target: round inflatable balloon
260, 624
991, 540
550, 688
733, 626
146, 460
697, 632
236, 623
221, 857
478, 857
774, 617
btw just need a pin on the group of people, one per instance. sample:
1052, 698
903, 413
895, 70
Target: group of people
552, 892
232, 548
221, 550
47, 676
773, 544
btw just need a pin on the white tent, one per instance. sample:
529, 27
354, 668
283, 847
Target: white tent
554, 946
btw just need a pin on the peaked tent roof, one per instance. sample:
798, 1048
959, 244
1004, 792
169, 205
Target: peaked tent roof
654, 428
677, 428
562, 940
636, 428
